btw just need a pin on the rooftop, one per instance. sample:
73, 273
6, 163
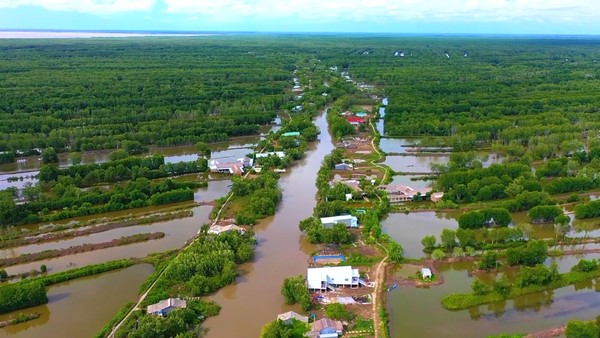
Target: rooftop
292, 315
165, 304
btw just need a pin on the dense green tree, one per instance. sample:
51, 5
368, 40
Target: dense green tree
581, 329
395, 252
337, 311
448, 239
280, 329
429, 242
49, 155
295, 290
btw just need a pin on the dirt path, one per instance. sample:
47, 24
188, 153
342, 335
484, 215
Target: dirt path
379, 277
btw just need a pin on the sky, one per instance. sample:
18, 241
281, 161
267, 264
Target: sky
376, 16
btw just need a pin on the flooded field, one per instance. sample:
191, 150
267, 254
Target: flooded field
281, 252
524, 314
414, 164
69, 310
177, 232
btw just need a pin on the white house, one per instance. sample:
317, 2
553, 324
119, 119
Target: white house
349, 220
331, 277
426, 273
163, 307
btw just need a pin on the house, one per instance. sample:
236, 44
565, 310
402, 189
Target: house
164, 307
349, 220
426, 274
331, 277
362, 114
346, 113
355, 121
291, 133
344, 166
402, 193
270, 153
436, 197
325, 328
218, 229
234, 168
288, 316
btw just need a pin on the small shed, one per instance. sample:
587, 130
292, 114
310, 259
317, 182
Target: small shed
291, 133
348, 197
426, 273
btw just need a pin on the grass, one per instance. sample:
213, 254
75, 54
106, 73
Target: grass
363, 324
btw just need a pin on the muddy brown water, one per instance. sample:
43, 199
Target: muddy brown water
282, 252
177, 232
81, 307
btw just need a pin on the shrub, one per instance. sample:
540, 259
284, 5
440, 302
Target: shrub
337, 311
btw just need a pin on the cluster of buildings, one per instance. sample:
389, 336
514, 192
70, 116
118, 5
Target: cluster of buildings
402, 193
232, 168
238, 167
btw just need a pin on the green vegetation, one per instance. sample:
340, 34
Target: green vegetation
205, 266
15, 297
119, 101
261, 196
480, 218
337, 311
295, 290
316, 233
280, 329
581, 329
179, 323
65, 200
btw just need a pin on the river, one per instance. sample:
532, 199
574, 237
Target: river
81, 307
282, 252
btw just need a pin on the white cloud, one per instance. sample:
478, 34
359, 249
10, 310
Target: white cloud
356, 10
86, 6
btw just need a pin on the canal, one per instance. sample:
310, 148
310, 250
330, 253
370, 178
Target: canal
282, 252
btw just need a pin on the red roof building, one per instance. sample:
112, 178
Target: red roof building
353, 120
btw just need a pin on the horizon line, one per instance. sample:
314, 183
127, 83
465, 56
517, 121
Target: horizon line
168, 31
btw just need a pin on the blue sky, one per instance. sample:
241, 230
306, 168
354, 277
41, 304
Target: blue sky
394, 16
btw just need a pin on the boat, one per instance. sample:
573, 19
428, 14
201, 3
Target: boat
390, 288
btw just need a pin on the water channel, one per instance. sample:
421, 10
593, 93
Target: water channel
81, 307
282, 252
